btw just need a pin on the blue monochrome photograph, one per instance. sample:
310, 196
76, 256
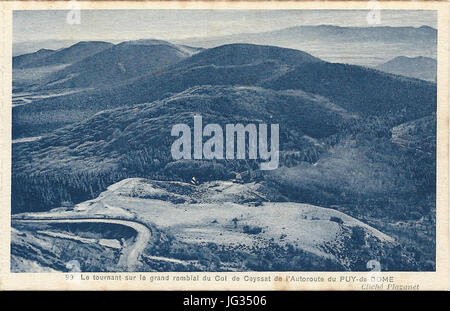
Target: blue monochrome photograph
223, 140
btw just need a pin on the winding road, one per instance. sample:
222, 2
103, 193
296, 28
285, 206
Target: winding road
130, 254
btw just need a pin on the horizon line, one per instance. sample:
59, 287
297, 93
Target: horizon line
228, 35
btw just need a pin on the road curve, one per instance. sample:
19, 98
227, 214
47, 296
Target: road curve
130, 254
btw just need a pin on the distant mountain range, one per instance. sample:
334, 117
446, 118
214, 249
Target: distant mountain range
68, 55
368, 46
420, 67
28, 47
92, 64
118, 63
235, 64
327, 32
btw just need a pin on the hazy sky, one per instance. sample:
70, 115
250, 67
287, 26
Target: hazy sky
177, 24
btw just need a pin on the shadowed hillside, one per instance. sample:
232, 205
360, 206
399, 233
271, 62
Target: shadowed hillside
353, 88
118, 63
22, 61
136, 140
270, 67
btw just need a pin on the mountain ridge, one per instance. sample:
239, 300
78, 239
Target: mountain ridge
67, 55
269, 67
120, 62
365, 46
419, 67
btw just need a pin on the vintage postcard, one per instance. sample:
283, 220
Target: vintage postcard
224, 145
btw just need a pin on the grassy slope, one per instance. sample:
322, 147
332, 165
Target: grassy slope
220, 226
